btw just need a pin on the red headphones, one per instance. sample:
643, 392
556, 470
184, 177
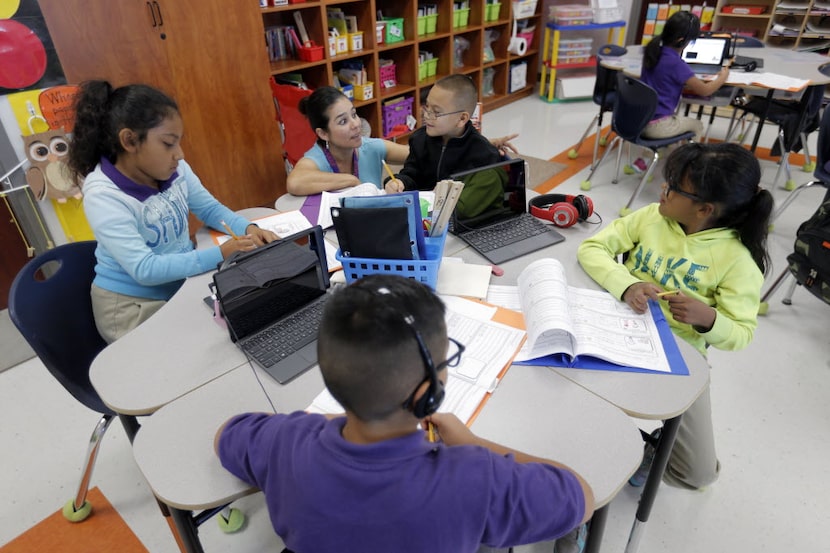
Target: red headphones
563, 210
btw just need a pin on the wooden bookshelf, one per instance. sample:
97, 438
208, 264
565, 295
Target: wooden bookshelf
405, 53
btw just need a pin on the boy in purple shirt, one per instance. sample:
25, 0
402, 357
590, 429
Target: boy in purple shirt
373, 480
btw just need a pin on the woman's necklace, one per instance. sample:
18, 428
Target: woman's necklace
333, 162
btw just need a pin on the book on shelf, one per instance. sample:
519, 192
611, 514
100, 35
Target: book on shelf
590, 329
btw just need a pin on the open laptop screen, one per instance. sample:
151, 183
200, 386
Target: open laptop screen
706, 51
491, 193
272, 282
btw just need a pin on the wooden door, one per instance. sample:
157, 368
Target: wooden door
216, 52
210, 56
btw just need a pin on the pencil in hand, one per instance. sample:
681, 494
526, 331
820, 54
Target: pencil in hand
388, 170
668, 293
431, 432
230, 231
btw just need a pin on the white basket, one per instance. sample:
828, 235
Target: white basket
607, 15
525, 8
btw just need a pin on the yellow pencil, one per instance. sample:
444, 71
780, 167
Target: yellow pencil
430, 432
388, 170
669, 293
230, 232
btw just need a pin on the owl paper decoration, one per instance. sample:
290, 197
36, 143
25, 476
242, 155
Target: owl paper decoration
48, 176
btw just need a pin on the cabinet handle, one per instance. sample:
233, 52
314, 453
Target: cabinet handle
158, 11
152, 14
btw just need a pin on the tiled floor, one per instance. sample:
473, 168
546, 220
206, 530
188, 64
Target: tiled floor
770, 405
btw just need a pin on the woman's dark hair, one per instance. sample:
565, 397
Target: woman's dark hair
679, 30
101, 112
316, 106
727, 175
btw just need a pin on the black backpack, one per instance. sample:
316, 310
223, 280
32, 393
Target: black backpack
810, 262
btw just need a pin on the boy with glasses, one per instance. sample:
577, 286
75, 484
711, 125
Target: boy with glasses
373, 480
447, 143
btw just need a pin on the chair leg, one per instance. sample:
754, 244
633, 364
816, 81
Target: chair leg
575, 150
651, 166
586, 184
783, 163
709, 126
789, 199
788, 298
78, 508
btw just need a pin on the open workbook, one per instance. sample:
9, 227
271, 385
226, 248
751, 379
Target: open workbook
577, 327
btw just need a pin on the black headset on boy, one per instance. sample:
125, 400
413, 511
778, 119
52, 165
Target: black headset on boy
563, 210
428, 403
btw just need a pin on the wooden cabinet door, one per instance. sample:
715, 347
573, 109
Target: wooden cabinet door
101, 39
216, 51
210, 56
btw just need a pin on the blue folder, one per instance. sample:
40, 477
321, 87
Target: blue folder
676, 362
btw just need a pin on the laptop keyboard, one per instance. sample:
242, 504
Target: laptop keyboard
273, 344
505, 233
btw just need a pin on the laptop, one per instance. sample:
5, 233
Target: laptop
706, 55
504, 230
272, 299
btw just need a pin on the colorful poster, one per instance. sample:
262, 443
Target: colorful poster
27, 56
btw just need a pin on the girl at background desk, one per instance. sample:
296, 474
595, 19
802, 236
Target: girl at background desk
342, 156
665, 71
138, 191
701, 253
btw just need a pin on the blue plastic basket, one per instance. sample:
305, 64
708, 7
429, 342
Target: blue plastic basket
422, 270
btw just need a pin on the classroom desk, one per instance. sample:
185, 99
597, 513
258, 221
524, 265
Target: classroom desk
645, 396
534, 409
781, 61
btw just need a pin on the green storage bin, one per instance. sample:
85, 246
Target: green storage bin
422, 71
491, 12
421, 27
460, 18
394, 29
432, 67
432, 23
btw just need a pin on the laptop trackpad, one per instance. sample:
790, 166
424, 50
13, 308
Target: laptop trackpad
295, 364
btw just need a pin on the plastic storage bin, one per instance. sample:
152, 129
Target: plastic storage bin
491, 12
427, 24
575, 50
525, 8
571, 14
394, 29
396, 114
364, 91
461, 18
422, 270
388, 76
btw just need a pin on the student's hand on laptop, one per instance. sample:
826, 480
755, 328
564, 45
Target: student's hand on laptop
240, 243
450, 429
393, 186
260, 236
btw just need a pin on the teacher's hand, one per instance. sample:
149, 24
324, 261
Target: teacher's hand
393, 186
504, 145
260, 236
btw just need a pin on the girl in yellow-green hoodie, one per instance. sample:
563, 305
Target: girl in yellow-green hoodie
706, 242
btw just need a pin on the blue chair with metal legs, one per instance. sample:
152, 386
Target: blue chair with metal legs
49, 303
634, 107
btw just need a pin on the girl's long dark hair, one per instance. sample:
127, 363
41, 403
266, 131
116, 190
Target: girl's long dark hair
101, 112
316, 106
727, 175
679, 30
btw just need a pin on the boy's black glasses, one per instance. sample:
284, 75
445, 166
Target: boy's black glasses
429, 114
453, 359
674, 187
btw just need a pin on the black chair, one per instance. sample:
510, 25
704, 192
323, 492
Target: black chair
795, 119
605, 86
634, 106
49, 303
821, 178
